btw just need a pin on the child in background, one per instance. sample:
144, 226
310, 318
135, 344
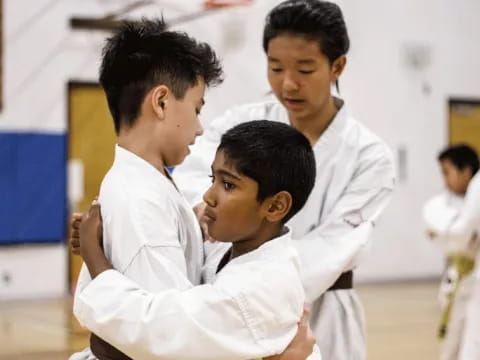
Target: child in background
459, 164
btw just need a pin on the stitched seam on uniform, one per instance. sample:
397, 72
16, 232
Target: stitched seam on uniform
132, 259
159, 246
250, 321
146, 246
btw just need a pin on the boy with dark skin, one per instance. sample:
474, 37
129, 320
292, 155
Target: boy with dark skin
247, 205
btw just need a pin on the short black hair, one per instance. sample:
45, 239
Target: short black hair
142, 55
462, 156
314, 19
275, 155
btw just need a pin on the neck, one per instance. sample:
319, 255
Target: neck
265, 234
314, 126
136, 140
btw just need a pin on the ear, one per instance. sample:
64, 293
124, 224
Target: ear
337, 68
467, 172
278, 206
158, 100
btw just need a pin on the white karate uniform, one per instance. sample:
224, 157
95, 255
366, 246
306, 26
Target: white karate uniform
439, 213
470, 348
250, 311
152, 237
355, 179
150, 233
468, 223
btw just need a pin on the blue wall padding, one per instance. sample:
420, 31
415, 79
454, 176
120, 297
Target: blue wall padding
8, 179
32, 188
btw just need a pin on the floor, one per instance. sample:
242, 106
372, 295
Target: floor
401, 324
402, 321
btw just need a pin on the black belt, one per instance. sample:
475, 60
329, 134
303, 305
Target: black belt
344, 282
104, 351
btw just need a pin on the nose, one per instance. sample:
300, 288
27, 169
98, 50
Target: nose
290, 83
209, 197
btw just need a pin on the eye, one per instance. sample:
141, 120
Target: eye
228, 186
212, 177
305, 71
276, 70
197, 111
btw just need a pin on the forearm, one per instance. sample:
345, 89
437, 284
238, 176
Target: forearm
96, 262
203, 322
338, 243
337, 255
464, 226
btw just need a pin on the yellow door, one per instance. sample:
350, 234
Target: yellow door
91, 142
464, 122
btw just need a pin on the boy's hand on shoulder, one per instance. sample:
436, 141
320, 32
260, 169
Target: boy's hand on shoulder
74, 230
302, 344
90, 235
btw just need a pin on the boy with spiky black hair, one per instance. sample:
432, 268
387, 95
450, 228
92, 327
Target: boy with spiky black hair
154, 81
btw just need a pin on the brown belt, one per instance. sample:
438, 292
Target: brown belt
104, 351
344, 282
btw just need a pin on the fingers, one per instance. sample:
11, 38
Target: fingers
75, 220
199, 210
303, 327
74, 242
94, 209
204, 229
75, 235
75, 249
305, 316
206, 235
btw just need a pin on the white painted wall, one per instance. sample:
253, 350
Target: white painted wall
389, 97
41, 54
33, 271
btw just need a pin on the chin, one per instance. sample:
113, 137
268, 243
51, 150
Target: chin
218, 236
177, 161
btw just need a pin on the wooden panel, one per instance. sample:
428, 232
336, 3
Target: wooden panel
92, 141
464, 122
91, 137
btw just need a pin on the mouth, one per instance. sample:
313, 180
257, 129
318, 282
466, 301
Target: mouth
209, 215
293, 102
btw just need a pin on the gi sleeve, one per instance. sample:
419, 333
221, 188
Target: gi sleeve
333, 247
157, 260
235, 318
